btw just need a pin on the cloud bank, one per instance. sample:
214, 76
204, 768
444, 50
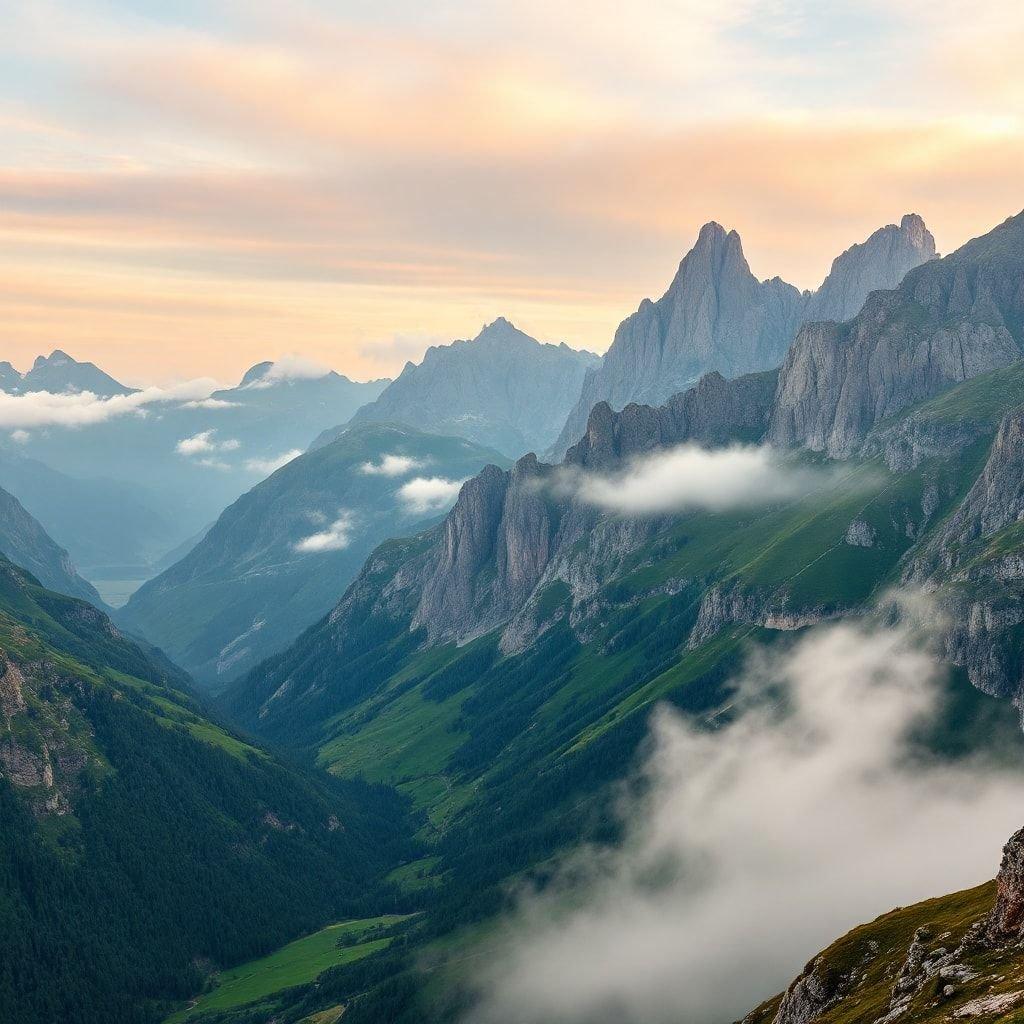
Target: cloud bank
691, 477
757, 844
425, 494
83, 408
391, 465
337, 536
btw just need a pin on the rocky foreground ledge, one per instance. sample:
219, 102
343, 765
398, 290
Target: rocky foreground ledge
958, 957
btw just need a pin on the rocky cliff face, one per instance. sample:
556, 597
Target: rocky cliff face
879, 263
717, 316
503, 389
948, 321
974, 562
715, 412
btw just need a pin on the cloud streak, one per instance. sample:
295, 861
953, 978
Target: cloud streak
753, 846
271, 465
334, 538
391, 464
83, 408
204, 443
426, 494
690, 477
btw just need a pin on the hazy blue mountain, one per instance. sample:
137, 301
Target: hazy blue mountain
104, 523
717, 316
279, 557
24, 541
243, 434
503, 389
59, 372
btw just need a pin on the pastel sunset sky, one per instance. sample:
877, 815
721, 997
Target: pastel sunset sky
190, 186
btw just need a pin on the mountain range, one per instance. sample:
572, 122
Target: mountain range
59, 373
433, 668
279, 557
497, 668
175, 467
717, 316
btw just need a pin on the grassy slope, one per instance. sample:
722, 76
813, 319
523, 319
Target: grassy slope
102, 909
405, 735
297, 963
510, 756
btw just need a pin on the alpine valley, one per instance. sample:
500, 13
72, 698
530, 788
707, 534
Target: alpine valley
443, 699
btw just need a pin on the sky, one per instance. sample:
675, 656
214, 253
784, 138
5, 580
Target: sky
188, 187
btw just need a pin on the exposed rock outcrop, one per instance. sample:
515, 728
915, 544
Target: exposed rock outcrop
717, 316
879, 263
949, 321
1006, 922
715, 412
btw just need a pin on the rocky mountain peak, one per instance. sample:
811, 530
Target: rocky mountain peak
948, 320
56, 358
255, 373
501, 332
716, 315
878, 263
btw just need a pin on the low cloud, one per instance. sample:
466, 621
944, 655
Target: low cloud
20, 436
337, 536
210, 403
83, 408
391, 465
429, 494
293, 367
271, 465
205, 442
751, 847
691, 477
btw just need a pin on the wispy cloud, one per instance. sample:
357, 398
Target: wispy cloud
205, 442
335, 537
271, 465
391, 465
429, 494
689, 477
757, 843
82, 409
210, 403
293, 367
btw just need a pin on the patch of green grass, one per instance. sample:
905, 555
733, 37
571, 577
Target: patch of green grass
416, 875
297, 963
410, 739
